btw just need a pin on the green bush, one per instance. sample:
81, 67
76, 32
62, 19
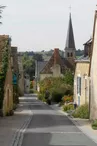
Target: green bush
57, 88
31, 91
56, 96
82, 112
40, 96
68, 107
31, 84
94, 124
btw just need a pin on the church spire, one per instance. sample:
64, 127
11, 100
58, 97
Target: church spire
70, 43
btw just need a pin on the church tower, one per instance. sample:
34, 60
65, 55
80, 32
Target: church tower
70, 42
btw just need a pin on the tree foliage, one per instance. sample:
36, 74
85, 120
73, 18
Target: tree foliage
69, 77
1, 10
29, 66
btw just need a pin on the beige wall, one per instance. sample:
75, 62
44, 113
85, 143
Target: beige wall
93, 74
82, 70
8, 91
43, 76
56, 72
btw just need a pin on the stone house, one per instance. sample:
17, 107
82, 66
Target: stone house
15, 70
57, 65
21, 76
6, 86
81, 78
27, 84
93, 73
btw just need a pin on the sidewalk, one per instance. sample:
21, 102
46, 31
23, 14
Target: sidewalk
83, 124
10, 126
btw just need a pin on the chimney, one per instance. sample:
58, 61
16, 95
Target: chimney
56, 56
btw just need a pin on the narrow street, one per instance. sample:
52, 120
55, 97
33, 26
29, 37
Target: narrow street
48, 127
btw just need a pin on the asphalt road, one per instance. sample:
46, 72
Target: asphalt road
48, 127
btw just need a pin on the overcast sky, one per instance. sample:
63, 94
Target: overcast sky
42, 24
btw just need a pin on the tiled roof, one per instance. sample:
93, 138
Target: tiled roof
56, 59
40, 66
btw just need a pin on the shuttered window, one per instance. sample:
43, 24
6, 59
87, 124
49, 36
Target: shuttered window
79, 85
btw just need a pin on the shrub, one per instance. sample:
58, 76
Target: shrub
56, 96
68, 107
57, 88
40, 96
82, 112
94, 124
67, 99
31, 84
31, 91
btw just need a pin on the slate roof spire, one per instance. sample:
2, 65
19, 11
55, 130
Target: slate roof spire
70, 43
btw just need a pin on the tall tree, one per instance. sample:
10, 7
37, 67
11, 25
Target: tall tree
1, 9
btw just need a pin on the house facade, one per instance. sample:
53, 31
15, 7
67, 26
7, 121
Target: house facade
15, 70
81, 76
26, 84
20, 76
6, 84
93, 73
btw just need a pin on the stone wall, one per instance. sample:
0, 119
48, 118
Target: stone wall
8, 94
15, 60
21, 76
8, 87
93, 74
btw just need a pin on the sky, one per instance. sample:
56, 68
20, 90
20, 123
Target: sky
36, 25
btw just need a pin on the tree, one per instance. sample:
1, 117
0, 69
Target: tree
38, 57
29, 66
1, 9
69, 77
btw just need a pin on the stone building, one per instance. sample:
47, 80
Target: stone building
15, 71
81, 78
93, 73
26, 84
20, 76
57, 65
14, 54
6, 86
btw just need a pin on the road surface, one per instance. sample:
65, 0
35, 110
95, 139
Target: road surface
48, 127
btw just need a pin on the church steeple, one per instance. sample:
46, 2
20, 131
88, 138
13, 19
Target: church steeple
70, 42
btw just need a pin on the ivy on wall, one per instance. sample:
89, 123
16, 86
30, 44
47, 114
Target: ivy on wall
4, 67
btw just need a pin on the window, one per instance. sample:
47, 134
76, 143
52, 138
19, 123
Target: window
79, 85
71, 54
67, 54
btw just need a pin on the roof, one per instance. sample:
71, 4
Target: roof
56, 59
70, 43
83, 59
40, 66
88, 42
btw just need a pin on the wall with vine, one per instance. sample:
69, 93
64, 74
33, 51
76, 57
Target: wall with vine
3, 71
